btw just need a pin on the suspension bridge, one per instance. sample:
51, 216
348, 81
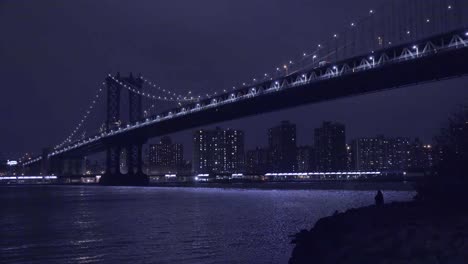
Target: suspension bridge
399, 44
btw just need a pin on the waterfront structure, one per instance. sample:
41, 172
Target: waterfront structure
165, 157
330, 147
282, 147
218, 151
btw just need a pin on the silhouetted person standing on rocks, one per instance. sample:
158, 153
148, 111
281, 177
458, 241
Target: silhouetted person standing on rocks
379, 200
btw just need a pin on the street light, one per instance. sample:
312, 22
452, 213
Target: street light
373, 60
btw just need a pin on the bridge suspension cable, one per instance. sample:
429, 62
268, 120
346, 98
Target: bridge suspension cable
180, 97
169, 98
86, 115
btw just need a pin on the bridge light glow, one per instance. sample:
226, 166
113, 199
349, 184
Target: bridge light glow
466, 34
416, 49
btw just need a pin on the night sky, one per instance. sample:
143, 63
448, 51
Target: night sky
55, 54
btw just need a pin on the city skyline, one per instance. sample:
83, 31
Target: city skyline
388, 112
330, 150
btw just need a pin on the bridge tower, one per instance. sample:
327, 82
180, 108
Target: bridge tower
132, 146
113, 122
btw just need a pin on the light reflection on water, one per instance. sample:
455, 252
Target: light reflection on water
78, 224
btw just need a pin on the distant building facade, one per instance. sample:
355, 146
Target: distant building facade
305, 159
421, 156
165, 157
218, 151
398, 153
282, 147
391, 154
349, 157
370, 154
330, 147
257, 161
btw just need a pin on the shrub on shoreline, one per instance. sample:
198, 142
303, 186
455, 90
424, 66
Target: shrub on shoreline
449, 181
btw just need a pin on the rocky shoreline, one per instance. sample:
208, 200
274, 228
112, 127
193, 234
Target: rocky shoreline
407, 232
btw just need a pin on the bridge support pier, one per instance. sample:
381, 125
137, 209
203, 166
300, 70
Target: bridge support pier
134, 160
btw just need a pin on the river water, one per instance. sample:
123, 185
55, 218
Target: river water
93, 224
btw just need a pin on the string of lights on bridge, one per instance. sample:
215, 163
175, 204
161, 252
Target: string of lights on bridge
173, 97
178, 97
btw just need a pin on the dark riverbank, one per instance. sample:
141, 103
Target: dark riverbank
394, 233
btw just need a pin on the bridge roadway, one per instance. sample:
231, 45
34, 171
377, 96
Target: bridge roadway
417, 66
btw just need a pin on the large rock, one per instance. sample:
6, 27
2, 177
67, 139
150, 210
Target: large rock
394, 233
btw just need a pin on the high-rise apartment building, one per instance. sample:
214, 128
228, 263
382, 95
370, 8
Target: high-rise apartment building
218, 151
330, 147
